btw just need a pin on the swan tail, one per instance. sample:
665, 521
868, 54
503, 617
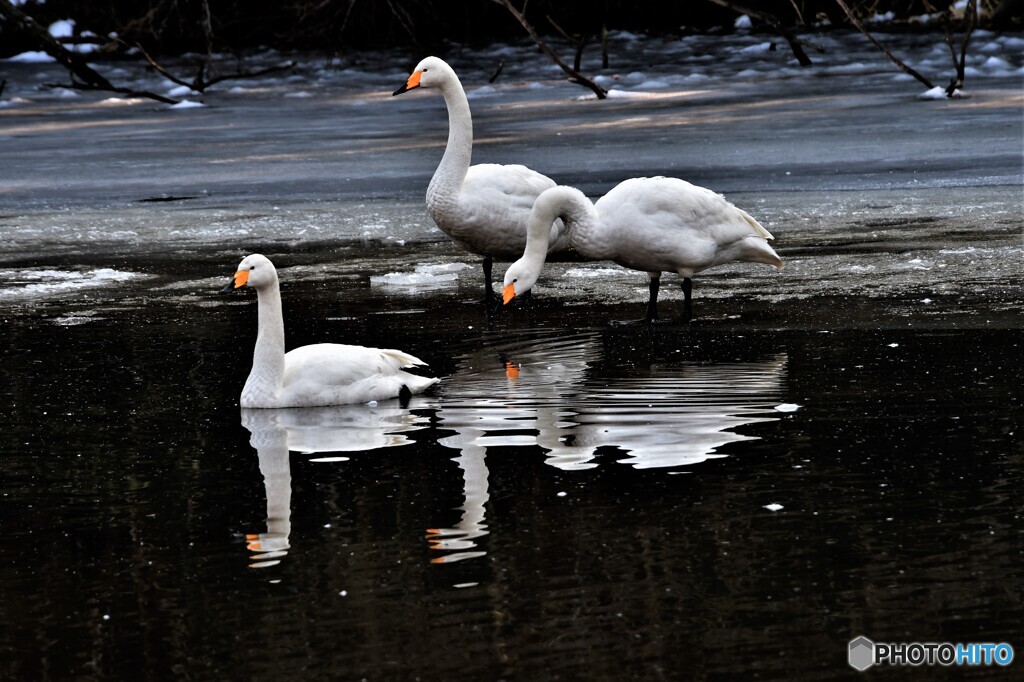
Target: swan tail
401, 358
758, 227
417, 384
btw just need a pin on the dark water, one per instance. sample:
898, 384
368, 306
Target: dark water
574, 502
828, 451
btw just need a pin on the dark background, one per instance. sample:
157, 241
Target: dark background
337, 26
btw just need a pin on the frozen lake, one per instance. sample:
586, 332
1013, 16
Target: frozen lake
829, 451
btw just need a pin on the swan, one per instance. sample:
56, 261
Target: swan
319, 374
482, 208
653, 224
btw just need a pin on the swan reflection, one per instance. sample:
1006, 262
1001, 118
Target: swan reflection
547, 392
310, 430
678, 416
486, 405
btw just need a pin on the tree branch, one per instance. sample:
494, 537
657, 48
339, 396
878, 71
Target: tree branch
860, 27
773, 21
960, 65
574, 75
70, 60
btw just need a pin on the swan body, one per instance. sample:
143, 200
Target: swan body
654, 225
318, 374
482, 208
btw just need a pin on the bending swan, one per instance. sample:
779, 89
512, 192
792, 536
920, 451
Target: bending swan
319, 374
483, 208
651, 224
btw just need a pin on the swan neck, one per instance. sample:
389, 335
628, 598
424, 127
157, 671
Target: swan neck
573, 207
268, 356
458, 154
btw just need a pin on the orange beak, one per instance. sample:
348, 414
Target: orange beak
239, 280
412, 83
508, 293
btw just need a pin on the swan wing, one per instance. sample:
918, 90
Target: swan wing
492, 209
668, 224
334, 374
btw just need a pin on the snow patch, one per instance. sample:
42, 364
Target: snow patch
32, 58
424, 276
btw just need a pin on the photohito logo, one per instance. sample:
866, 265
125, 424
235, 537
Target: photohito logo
864, 653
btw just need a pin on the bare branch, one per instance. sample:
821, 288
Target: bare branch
249, 74
71, 61
161, 70
74, 85
574, 75
970, 21
769, 18
497, 72
895, 60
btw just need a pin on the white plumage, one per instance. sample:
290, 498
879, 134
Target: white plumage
651, 224
483, 208
318, 374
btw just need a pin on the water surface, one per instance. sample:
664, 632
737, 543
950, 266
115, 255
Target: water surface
828, 451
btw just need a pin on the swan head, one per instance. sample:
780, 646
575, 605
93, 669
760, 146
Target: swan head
432, 72
254, 271
519, 278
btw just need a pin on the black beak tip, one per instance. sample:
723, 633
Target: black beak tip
228, 288
400, 90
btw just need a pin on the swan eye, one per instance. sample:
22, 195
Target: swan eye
252, 267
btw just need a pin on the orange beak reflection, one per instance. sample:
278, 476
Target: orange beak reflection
511, 370
508, 293
241, 277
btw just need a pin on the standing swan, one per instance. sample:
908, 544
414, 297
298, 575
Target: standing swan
320, 374
483, 208
651, 224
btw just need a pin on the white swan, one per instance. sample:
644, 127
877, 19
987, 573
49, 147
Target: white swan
651, 224
319, 374
483, 208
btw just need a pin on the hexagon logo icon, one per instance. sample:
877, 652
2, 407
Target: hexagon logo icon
862, 653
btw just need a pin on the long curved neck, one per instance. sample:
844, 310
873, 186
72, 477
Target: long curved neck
267, 373
451, 172
564, 202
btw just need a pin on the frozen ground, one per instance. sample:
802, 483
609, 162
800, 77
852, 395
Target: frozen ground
868, 189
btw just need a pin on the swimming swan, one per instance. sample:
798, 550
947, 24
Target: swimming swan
652, 224
319, 374
483, 208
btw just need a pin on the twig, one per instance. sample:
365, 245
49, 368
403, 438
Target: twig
159, 69
860, 27
74, 85
960, 65
497, 72
604, 46
249, 74
773, 21
579, 42
71, 61
200, 83
574, 75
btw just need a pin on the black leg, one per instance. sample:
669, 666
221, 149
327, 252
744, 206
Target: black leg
652, 301
687, 300
488, 287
